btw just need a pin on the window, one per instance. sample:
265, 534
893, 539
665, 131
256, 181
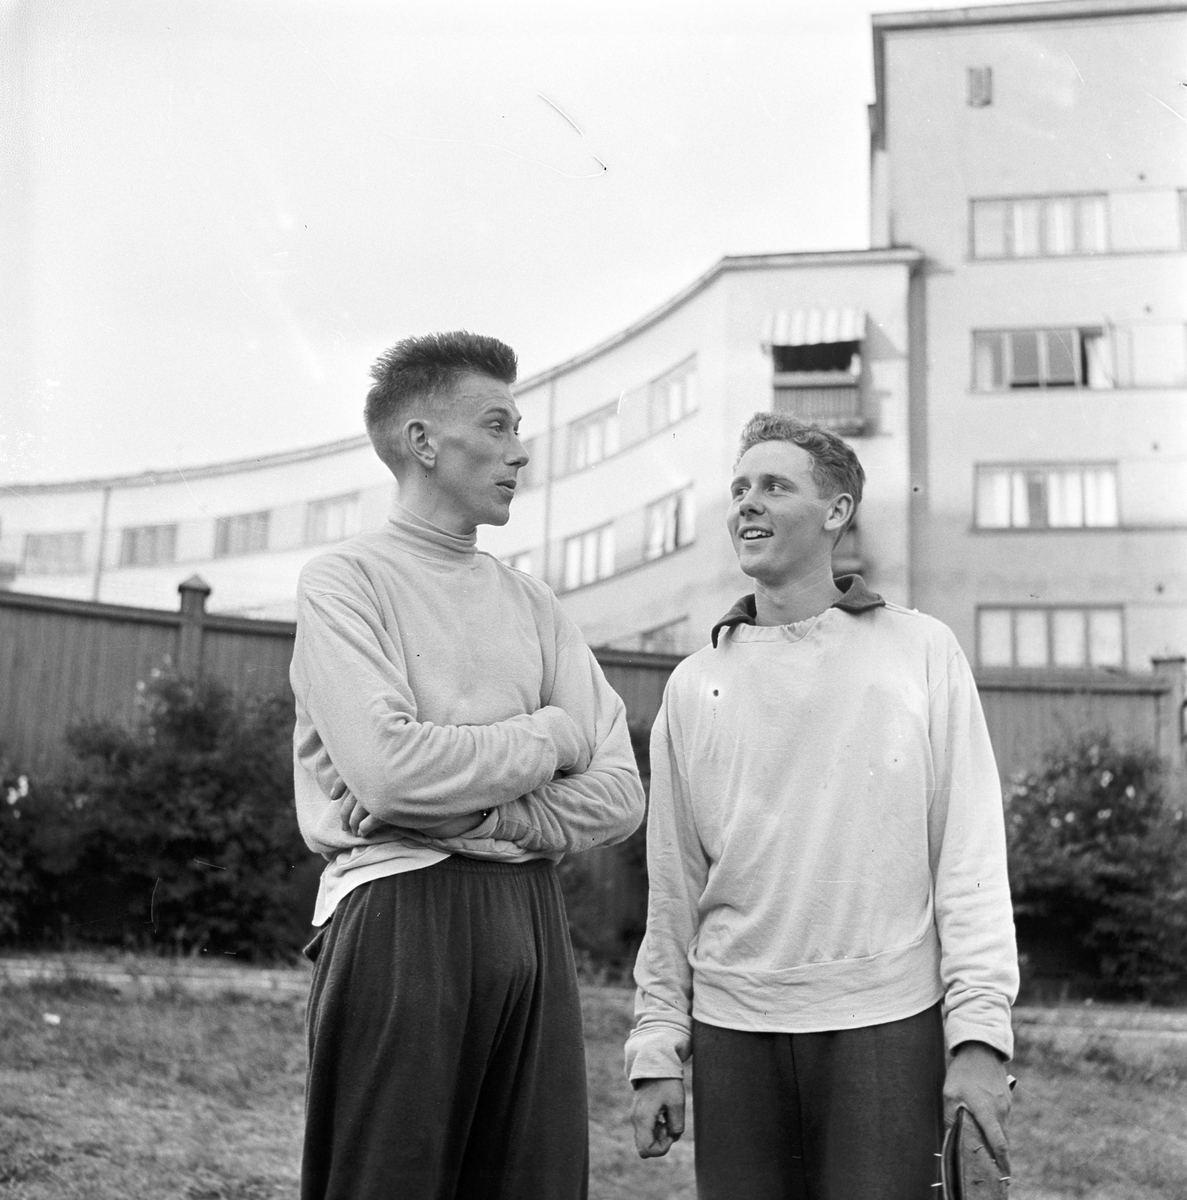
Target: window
148, 545
246, 533
818, 368
670, 524
1041, 358
668, 638
53, 553
589, 557
1039, 497
672, 397
819, 356
1047, 225
1050, 637
980, 87
520, 562
594, 438
329, 520
1151, 355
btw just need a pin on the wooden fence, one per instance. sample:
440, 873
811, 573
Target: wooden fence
61, 660
1029, 714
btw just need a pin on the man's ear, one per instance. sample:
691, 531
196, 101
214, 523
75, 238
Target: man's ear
840, 512
418, 443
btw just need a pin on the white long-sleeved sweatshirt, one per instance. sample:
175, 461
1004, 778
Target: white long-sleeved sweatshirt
825, 843
433, 681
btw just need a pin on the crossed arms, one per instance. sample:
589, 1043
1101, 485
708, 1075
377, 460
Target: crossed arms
367, 769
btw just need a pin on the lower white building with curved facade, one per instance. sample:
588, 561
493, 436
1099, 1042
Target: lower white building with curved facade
1009, 362
622, 506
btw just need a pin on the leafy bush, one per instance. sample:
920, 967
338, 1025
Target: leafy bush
178, 833
606, 893
1098, 860
15, 876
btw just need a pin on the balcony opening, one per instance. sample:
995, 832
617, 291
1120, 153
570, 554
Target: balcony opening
816, 356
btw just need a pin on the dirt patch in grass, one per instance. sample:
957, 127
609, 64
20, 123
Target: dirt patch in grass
200, 1099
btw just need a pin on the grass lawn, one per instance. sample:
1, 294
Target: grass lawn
201, 1100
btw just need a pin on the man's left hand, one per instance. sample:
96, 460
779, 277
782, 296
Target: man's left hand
357, 820
977, 1079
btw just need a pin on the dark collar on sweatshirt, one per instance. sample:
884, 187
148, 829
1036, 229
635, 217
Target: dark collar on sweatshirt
855, 597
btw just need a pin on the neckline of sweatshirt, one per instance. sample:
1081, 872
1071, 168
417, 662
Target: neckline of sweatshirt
422, 538
855, 597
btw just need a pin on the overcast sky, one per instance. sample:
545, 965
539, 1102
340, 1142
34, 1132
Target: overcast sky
217, 212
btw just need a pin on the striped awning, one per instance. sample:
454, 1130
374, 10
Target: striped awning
813, 326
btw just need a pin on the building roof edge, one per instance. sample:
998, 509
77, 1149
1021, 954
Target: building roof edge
151, 478
907, 256
1036, 10
904, 255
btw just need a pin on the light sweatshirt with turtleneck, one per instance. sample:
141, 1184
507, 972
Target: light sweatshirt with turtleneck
433, 681
825, 841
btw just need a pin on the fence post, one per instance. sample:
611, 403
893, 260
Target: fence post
193, 613
1170, 714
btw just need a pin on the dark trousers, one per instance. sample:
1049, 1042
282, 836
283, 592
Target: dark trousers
445, 1048
855, 1114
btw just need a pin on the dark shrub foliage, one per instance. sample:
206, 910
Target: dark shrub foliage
16, 881
179, 833
606, 891
1098, 861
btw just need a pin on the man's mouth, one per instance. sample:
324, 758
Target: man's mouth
506, 485
753, 535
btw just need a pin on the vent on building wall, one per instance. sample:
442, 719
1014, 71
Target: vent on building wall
980, 87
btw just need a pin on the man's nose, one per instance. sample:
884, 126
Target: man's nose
518, 455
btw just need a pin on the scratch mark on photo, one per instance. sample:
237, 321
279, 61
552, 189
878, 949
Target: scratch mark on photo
1168, 108
556, 108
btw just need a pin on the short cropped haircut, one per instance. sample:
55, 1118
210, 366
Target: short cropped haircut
835, 468
427, 369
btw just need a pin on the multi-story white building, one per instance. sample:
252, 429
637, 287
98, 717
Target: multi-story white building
1037, 155
1009, 361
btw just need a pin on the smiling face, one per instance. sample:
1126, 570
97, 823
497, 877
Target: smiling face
478, 455
781, 527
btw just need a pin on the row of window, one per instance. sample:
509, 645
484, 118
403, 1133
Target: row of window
1028, 227
327, 520
1042, 497
1072, 637
668, 524
606, 431
1056, 226
1153, 355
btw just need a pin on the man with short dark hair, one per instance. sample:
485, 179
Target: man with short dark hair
826, 852
454, 738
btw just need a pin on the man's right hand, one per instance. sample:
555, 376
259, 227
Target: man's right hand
572, 753
657, 1112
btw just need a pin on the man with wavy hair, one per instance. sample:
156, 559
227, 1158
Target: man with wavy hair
826, 852
454, 738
